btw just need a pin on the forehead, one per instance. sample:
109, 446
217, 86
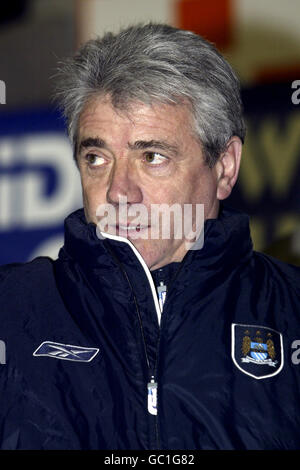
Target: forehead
170, 120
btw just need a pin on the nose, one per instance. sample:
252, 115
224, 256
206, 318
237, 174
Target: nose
123, 184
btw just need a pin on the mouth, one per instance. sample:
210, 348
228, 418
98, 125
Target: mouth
127, 229
131, 228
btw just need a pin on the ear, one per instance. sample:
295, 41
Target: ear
227, 167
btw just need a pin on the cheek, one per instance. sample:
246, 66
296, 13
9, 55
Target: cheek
203, 189
87, 204
86, 194
92, 196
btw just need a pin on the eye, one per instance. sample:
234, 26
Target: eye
155, 158
94, 160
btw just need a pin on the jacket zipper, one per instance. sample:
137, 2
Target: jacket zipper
152, 388
152, 396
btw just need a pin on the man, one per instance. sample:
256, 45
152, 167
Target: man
136, 341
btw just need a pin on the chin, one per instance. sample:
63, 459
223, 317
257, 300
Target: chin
151, 259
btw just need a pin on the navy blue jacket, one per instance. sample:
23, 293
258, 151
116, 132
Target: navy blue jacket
80, 341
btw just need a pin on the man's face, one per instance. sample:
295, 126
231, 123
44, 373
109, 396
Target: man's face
147, 156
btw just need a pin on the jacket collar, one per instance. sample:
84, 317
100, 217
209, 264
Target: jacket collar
227, 242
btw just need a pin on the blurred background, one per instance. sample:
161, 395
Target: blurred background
39, 184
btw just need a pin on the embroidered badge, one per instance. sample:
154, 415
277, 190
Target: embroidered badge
257, 350
67, 352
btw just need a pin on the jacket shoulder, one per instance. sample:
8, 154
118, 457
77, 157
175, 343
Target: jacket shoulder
278, 271
24, 276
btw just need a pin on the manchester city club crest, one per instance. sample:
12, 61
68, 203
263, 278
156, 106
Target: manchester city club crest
257, 350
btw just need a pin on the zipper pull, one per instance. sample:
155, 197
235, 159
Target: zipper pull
152, 396
162, 293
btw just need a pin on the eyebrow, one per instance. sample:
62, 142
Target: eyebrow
158, 144
92, 142
138, 145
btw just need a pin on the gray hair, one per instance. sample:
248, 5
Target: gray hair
156, 63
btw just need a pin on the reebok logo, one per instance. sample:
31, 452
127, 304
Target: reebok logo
67, 352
